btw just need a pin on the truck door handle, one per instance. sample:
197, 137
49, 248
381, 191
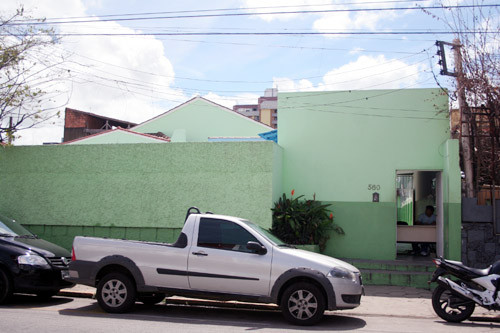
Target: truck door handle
201, 253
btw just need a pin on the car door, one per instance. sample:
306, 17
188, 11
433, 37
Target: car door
220, 262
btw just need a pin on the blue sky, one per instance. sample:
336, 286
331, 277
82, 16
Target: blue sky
137, 77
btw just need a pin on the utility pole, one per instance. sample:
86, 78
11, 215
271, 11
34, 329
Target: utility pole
465, 136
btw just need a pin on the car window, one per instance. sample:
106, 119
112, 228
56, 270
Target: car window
224, 235
11, 227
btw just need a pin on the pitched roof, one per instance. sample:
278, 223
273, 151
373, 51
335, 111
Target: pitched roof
197, 98
121, 130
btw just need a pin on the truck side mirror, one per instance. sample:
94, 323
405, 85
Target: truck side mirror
256, 248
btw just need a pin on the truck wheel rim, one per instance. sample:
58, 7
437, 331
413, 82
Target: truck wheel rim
114, 293
302, 304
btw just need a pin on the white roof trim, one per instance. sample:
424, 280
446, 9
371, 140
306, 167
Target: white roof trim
90, 137
192, 100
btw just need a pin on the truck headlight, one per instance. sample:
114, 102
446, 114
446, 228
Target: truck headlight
33, 260
342, 273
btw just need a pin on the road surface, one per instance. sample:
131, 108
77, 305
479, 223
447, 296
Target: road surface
65, 314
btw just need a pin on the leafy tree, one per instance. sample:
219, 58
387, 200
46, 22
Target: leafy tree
30, 73
476, 46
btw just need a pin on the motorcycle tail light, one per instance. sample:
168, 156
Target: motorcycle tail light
437, 262
73, 256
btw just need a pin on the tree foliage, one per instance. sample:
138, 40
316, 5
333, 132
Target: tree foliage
29, 74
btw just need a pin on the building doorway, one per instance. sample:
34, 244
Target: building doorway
419, 234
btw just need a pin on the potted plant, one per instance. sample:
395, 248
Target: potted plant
303, 223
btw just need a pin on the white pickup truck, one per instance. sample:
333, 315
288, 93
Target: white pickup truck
216, 257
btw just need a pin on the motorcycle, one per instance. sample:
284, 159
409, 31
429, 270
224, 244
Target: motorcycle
461, 288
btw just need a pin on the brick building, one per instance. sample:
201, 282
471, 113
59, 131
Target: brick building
79, 124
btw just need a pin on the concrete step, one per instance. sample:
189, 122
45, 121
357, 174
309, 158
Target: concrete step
416, 279
408, 273
393, 265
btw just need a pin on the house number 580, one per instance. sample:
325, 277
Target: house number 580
373, 187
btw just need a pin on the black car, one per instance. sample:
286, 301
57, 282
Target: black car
29, 264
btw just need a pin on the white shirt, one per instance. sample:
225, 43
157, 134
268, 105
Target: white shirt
424, 219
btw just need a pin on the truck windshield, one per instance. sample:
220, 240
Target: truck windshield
10, 228
265, 233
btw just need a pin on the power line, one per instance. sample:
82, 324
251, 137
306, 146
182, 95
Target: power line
346, 10
238, 81
235, 9
337, 33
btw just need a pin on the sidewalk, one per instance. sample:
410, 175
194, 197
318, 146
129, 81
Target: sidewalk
389, 301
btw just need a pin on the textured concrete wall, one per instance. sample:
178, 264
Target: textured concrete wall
342, 144
480, 245
134, 185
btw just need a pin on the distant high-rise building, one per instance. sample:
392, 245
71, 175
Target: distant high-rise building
248, 110
266, 111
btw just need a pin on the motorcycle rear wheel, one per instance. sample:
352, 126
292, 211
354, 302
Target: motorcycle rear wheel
450, 307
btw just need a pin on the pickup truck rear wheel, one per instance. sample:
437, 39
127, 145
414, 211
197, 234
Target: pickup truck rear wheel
116, 293
303, 304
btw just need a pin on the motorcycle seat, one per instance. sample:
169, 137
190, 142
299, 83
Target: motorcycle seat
475, 271
479, 272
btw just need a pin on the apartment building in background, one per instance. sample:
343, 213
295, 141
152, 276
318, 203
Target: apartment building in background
266, 109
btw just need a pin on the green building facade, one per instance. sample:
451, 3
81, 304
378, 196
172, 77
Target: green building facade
350, 147
369, 153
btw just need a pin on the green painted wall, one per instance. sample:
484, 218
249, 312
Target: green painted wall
337, 144
453, 201
277, 172
202, 119
116, 137
135, 186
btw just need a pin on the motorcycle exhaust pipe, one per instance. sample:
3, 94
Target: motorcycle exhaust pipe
457, 289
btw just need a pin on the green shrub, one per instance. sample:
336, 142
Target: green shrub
301, 222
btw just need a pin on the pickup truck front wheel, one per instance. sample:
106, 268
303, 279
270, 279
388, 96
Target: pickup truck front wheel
116, 293
303, 304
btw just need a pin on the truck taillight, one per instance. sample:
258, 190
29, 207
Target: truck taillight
73, 256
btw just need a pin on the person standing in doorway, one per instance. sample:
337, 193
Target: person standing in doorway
427, 218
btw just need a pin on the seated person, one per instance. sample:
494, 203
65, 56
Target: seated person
427, 218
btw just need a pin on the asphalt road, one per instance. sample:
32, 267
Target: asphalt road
64, 314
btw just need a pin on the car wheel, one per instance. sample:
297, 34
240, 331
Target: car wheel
5, 286
451, 307
116, 293
151, 299
303, 304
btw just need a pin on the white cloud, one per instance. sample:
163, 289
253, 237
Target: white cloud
362, 20
230, 101
328, 21
366, 72
286, 84
291, 5
106, 86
